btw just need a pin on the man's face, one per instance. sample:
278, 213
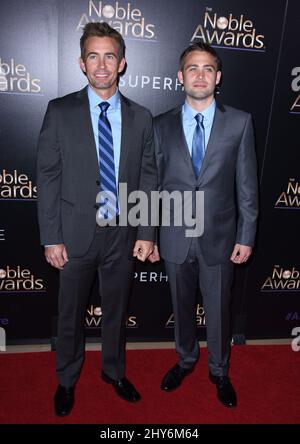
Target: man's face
101, 65
199, 75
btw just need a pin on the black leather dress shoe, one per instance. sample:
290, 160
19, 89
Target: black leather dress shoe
174, 377
63, 400
123, 388
225, 390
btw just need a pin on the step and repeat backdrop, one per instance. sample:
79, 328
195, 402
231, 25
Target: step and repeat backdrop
259, 45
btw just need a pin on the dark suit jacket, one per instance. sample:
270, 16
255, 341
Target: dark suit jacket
68, 170
228, 178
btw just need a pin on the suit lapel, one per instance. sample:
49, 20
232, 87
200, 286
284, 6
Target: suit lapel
85, 122
215, 138
179, 137
126, 137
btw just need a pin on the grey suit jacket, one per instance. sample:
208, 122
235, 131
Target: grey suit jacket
228, 178
68, 171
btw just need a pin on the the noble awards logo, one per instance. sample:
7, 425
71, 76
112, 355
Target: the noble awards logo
93, 318
19, 280
16, 186
282, 280
128, 21
200, 318
289, 199
15, 78
229, 32
295, 85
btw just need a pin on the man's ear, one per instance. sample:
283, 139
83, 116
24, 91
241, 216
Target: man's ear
81, 64
122, 65
218, 79
180, 77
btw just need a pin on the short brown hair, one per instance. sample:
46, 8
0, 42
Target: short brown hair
102, 29
200, 47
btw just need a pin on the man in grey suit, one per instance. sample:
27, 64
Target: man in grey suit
205, 146
91, 141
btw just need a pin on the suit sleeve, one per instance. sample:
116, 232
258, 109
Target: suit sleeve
247, 187
148, 180
49, 180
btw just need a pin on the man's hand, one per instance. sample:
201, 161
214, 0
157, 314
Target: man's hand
240, 254
142, 249
56, 256
154, 256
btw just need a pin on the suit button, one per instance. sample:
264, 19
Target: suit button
97, 182
197, 189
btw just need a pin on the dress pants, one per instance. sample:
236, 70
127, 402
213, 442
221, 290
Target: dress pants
108, 257
215, 284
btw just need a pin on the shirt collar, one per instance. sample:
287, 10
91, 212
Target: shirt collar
95, 100
189, 113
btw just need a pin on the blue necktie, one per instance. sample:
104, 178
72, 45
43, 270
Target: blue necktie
198, 144
108, 186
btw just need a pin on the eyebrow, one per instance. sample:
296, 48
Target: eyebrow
111, 53
196, 66
96, 53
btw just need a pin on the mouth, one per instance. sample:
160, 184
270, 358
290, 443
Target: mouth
100, 75
200, 85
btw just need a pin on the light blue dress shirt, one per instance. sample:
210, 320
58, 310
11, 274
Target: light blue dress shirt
114, 117
189, 122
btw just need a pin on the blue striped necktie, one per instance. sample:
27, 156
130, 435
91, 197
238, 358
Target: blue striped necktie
108, 187
198, 144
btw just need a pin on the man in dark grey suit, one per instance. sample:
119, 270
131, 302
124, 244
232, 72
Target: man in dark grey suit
204, 146
91, 141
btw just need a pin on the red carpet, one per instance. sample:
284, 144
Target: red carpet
266, 379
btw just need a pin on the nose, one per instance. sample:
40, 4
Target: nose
101, 63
